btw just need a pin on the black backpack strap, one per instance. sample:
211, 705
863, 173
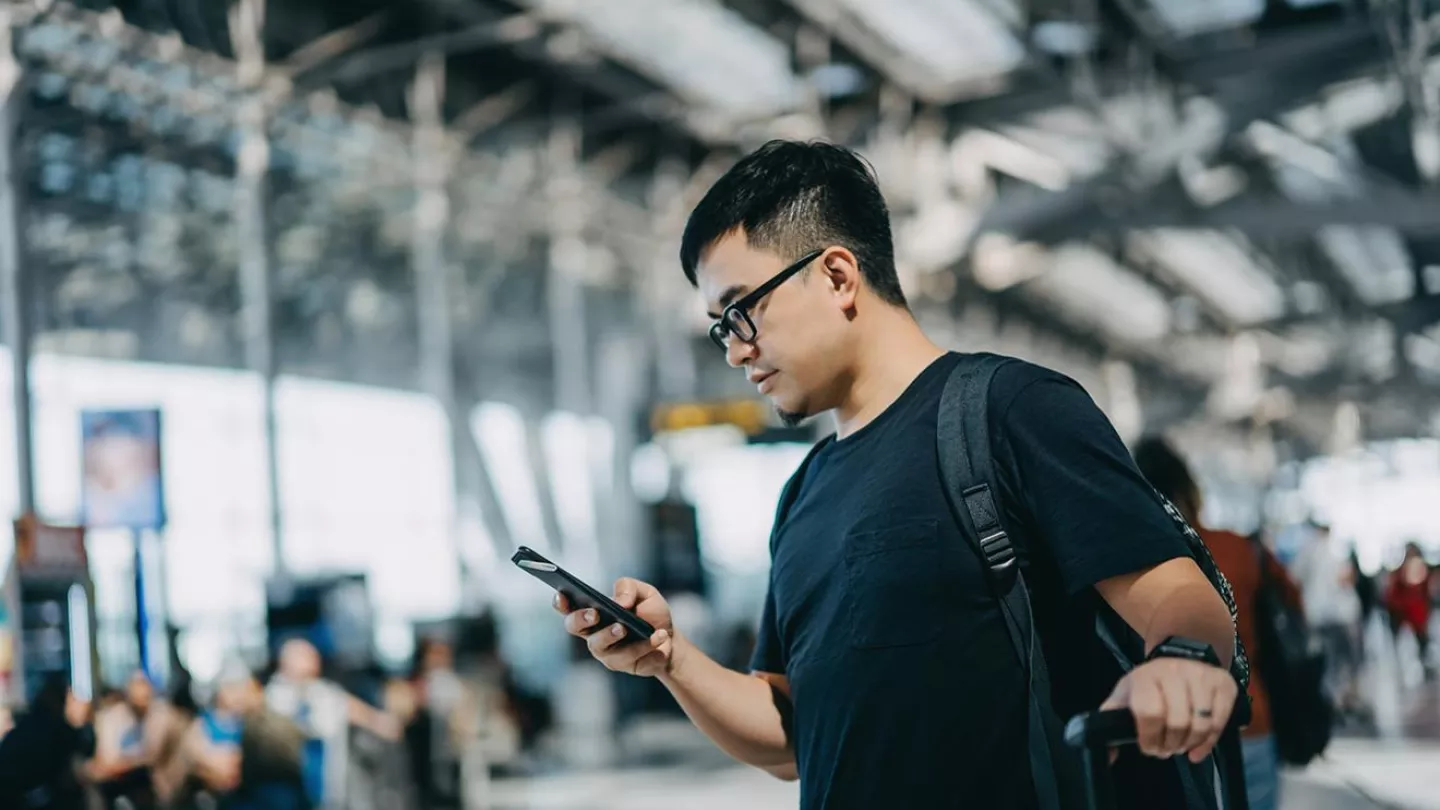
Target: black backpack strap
963, 436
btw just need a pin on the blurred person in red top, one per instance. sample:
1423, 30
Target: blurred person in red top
1241, 561
1407, 599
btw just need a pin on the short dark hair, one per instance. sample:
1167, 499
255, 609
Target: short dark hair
790, 197
1166, 471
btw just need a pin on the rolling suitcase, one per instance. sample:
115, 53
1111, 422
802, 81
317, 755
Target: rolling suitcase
1093, 734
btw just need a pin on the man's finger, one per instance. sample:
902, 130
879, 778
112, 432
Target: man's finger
1179, 715
603, 639
629, 592
1148, 706
624, 659
560, 603
1223, 697
580, 622
1202, 715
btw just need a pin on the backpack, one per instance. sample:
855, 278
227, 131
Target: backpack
963, 442
1293, 663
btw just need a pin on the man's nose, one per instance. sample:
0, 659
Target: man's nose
738, 352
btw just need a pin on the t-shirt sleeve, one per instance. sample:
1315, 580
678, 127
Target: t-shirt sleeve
1075, 484
769, 655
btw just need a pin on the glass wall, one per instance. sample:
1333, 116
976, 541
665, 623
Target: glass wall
365, 481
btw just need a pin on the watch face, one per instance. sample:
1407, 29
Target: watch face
1179, 647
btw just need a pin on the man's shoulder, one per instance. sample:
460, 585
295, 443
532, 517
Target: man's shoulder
1014, 377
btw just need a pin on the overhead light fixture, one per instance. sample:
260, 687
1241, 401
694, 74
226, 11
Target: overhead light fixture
1300, 352
705, 52
1010, 156
933, 48
1374, 260
1000, 262
1064, 37
935, 236
1191, 17
1216, 268
1086, 283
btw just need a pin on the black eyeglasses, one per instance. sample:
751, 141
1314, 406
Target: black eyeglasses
735, 319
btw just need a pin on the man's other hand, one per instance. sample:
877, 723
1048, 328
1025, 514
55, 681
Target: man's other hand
1180, 706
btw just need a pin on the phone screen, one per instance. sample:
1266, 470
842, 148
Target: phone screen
581, 595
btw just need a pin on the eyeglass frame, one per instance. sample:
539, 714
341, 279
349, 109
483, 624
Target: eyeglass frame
740, 308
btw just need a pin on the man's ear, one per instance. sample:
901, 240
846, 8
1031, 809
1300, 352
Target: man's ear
841, 272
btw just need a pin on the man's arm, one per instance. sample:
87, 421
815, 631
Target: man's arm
1180, 706
1172, 599
1073, 481
376, 721
735, 710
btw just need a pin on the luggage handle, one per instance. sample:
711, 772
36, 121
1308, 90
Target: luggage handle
1107, 729
1094, 733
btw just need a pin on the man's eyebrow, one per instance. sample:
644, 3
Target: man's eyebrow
728, 297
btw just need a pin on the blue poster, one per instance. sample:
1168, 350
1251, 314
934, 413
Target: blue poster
122, 486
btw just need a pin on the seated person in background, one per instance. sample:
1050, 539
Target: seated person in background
242, 753
127, 738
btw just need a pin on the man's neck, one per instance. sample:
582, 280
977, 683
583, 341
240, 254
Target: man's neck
888, 363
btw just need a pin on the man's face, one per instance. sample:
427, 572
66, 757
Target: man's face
798, 349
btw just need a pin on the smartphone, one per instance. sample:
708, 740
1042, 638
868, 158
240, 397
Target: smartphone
581, 596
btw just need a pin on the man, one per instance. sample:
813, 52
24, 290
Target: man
1241, 562
883, 674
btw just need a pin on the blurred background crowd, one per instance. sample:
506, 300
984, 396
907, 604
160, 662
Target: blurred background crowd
311, 311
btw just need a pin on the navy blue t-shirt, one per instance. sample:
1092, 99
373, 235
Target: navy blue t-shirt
906, 689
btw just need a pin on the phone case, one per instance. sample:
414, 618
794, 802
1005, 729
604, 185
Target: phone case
581, 595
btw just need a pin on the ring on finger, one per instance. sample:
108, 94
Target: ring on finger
1205, 713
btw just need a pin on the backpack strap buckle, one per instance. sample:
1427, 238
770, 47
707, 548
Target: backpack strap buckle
999, 552
995, 544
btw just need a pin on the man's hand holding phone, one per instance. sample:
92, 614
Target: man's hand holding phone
650, 658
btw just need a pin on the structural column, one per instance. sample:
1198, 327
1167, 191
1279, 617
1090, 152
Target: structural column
564, 285
669, 296
434, 157
567, 310
14, 291
257, 294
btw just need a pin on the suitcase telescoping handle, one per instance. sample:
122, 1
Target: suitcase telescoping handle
1094, 734
1095, 730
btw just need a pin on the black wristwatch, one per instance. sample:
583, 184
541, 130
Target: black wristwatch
1187, 648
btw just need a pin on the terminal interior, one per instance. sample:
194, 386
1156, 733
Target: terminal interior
312, 312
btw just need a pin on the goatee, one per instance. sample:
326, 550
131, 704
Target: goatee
791, 419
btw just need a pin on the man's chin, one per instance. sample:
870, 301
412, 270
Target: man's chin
791, 419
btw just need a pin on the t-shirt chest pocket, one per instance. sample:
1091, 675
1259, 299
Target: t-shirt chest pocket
894, 585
